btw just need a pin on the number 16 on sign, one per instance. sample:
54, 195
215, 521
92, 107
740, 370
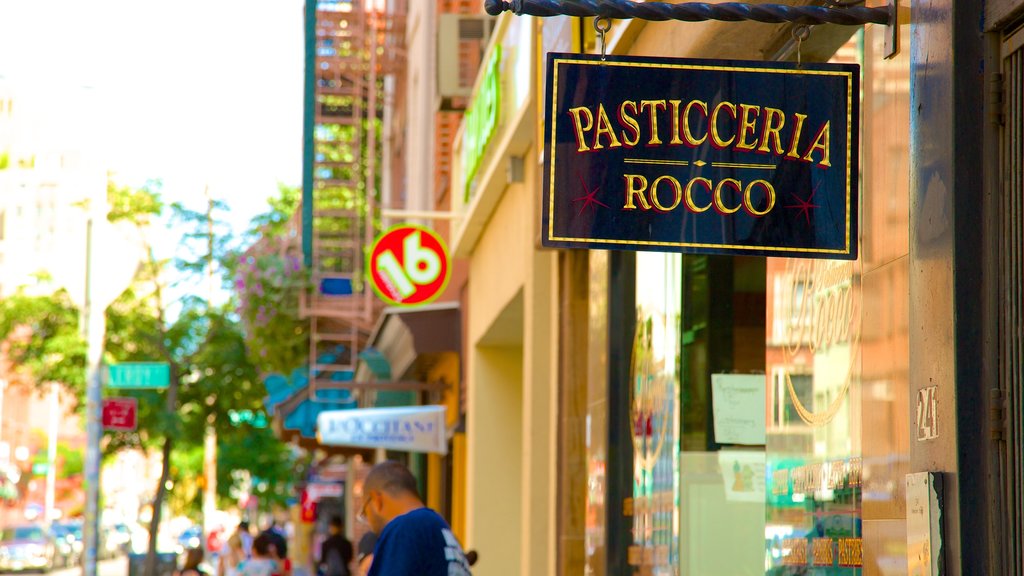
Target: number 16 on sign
408, 266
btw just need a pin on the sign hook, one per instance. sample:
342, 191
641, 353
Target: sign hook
800, 33
602, 24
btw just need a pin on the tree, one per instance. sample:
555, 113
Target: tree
203, 343
42, 340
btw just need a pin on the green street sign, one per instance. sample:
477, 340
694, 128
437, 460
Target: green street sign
139, 375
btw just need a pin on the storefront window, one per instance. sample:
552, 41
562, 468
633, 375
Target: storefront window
767, 397
837, 360
654, 404
722, 461
596, 427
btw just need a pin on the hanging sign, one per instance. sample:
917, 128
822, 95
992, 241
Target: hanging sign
408, 266
409, 428
701, 156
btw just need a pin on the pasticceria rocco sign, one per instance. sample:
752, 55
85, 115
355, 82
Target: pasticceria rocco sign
701, 156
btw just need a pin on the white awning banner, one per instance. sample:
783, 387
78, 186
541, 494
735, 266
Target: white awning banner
409, 428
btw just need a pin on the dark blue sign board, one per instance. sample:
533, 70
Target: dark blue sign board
701, 156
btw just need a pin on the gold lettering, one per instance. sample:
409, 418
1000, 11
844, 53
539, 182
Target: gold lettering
794, 551
796, 135
836, 476
577, 114
632, 191
820, 142
652, 117
747, 125
675, 141
688, 195
687, 134
629, 123
823, 555
604, 126
798, 479
676, 189
716, 138
769, 192
720, 206
774, 120
855, 472
780, 482
851, 552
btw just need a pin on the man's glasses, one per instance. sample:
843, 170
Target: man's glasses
361, 517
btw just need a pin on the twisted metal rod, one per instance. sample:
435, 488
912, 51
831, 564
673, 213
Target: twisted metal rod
692, 11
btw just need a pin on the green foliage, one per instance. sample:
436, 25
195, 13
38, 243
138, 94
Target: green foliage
186, 498
138, 206
274, 222
44, 340
268, 288
271, 463
72, 462
268, 279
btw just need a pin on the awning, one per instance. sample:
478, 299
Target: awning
406, 341
288, 398
404, 345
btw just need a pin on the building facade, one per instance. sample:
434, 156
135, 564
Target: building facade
595, 379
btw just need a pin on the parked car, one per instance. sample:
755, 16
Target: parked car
69, 541
26, 547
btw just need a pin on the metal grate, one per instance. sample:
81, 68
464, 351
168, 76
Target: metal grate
1011, 301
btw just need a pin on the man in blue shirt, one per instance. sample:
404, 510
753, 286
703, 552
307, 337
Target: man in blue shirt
414, 540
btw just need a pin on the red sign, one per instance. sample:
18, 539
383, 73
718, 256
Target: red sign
409, 266
307, 508
120, 414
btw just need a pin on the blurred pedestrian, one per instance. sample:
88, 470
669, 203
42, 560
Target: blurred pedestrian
336, 551
261, 563
246, 537
278, 550
413, 539
193, 558
364, 554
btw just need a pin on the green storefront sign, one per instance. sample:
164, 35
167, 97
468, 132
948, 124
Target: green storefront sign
480, 120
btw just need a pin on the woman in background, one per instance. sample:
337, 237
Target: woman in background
192, 560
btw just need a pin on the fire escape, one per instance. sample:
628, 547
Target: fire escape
358, 48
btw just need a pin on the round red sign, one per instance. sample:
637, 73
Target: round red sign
408, 266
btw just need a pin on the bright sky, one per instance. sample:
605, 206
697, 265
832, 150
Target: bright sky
192, 92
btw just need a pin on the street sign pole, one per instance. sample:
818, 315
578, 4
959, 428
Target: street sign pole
95, 325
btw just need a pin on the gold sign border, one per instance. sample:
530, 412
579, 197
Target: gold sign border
554, 131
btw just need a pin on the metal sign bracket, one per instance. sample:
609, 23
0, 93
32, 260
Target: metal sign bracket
699, 11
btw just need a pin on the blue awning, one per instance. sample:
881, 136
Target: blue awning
288, 397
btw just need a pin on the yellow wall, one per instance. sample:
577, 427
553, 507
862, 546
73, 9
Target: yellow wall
498, 265
512, 388
494, 491
458, 455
